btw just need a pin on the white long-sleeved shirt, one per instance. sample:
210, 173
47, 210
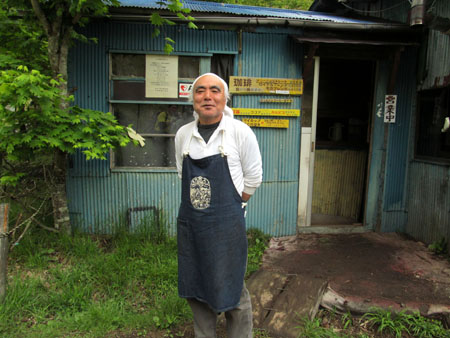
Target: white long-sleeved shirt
239, 144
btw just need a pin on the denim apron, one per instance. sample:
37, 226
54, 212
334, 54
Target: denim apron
212, 241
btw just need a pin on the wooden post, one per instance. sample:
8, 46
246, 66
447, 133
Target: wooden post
4, 211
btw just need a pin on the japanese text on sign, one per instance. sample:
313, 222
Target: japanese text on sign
161, 76
256, 85
390, 108
266, 112
266, 123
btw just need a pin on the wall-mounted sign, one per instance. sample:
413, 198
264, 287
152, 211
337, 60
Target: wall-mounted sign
161, 76
266, 112
266, 123
257, 85
184, 89
390, 108
276, 100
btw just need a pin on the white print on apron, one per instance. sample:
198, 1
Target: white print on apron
200, 192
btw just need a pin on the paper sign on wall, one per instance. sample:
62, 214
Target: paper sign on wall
257, 85
266, 123
266, 112
161, 76
390, 108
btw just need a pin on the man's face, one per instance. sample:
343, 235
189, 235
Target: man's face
209, 99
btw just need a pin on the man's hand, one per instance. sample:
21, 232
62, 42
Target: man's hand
245, 197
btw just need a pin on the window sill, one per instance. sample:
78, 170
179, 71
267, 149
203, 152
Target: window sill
444, 163
144, 170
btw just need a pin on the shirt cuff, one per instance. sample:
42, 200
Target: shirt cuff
249, 190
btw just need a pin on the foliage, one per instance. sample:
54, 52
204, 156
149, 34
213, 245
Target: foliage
439, 247
257, 244
92, 286
290, 4
33, 121
313, 329
174, 6
403, 322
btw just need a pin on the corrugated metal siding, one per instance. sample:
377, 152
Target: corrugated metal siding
273, 209
214, 7
396, 174
429, 202
438, 52
100, 205
99, 199
393, 10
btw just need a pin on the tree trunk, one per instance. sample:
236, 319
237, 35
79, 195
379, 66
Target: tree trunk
4, 208
58, 49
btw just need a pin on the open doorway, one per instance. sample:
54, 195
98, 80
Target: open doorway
342, 137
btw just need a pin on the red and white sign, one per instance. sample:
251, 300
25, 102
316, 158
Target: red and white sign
184, 89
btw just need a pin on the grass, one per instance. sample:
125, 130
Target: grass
377, 323
85, 286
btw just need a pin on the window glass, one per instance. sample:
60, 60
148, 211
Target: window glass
432, 141
132, 65
158, 124
153, 118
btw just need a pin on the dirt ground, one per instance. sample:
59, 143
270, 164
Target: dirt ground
355, 271
385, 268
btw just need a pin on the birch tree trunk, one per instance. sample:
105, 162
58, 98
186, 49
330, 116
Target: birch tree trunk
4, 208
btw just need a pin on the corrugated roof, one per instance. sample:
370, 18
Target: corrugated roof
247, 11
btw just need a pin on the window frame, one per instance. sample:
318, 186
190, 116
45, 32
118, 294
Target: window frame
438, 160
204, 67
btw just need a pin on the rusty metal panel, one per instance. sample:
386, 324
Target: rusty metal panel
429, 202
339, 179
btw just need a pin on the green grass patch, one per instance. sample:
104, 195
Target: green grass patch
90, 286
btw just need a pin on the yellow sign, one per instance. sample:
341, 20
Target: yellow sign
276, 100
257, 85
266, 123
266, 112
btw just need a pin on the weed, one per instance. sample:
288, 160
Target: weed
439, 247
403, 322
257, 244
313, 329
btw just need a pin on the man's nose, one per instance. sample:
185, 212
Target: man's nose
207, 95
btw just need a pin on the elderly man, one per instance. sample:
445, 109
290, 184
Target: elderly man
219, 161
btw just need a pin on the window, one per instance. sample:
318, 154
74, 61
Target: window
431, 142
155, 118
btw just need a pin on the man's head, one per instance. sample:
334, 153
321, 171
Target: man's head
209, 95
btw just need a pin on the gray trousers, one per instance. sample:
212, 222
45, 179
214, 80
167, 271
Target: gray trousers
239, 319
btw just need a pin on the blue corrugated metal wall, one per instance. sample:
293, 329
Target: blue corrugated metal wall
99, 199
396, 176
274, 206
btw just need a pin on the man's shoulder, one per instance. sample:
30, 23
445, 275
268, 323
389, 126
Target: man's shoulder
238, 126
187, 128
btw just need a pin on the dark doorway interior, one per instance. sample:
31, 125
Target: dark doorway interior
342, 141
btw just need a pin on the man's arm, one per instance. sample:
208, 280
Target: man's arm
251, 165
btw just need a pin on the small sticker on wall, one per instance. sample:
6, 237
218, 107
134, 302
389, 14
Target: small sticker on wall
184, 89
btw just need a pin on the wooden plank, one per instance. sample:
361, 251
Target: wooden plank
4, 212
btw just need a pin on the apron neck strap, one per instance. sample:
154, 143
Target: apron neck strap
221, 149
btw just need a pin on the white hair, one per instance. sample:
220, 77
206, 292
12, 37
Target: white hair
225, 86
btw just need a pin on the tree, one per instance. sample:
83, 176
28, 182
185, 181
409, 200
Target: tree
38, 122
